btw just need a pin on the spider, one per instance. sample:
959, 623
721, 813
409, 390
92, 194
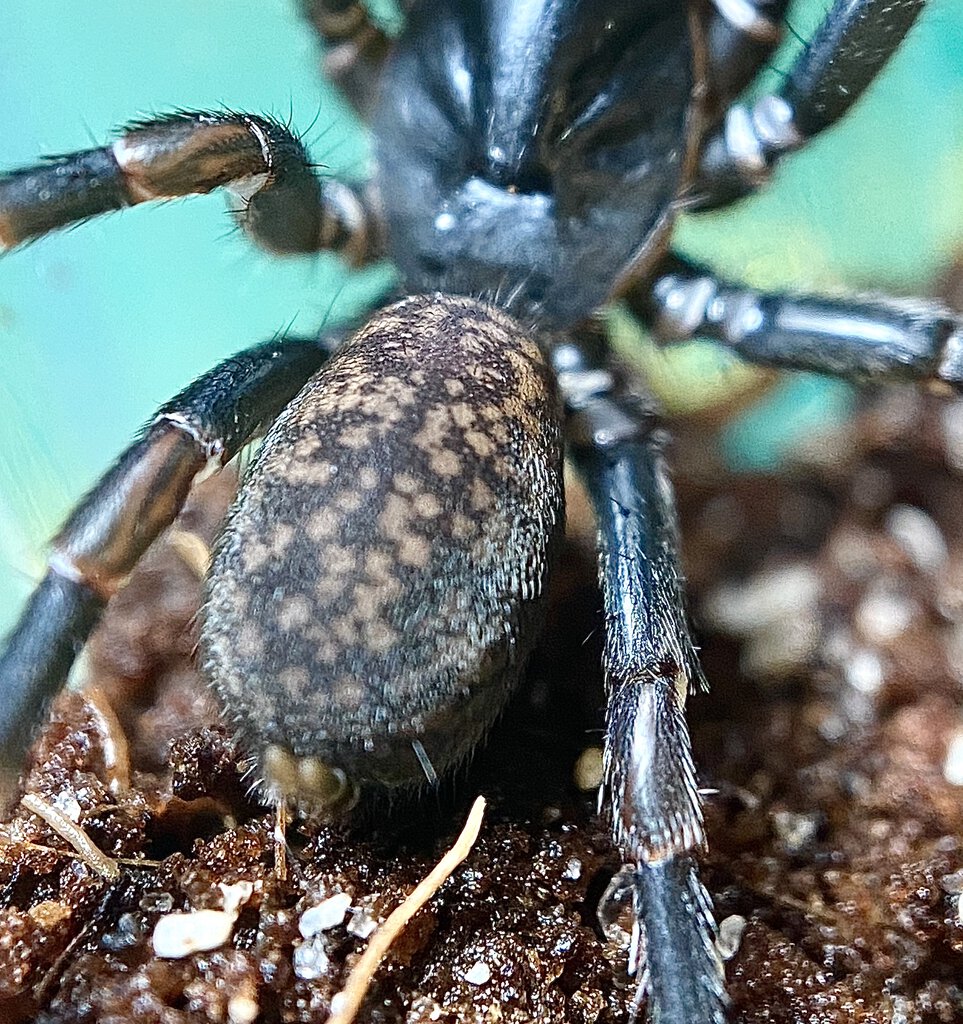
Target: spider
529, 164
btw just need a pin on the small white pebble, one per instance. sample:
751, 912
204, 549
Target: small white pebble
781, 648
179, 935
918, 535
884, 612
767, 598
952, 417
864, 670
731, 930
242, 1009
310, 960
796, 831
573, 869
953, 765
67, 803
588, 769
327, 914
362, 924
953, 883
478, 974
235, 895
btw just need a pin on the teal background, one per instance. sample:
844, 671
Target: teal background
101, 324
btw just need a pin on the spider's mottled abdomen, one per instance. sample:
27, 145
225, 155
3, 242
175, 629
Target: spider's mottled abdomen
380, 579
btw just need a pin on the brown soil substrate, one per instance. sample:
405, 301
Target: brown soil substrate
832, 635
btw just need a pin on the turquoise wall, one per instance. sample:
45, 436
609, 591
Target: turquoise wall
99, 325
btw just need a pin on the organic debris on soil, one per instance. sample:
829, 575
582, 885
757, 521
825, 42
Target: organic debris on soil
829, 604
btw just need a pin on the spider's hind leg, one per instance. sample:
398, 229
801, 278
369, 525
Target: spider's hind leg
200, 429
650, 667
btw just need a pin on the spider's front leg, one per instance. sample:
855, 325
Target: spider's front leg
197, 431
650, 667
283, 206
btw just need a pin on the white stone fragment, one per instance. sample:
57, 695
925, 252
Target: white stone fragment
864, 670
242, 1009
362, 924
311, 960
478, 974
953, 764
573, 869
235, 895
731, 930
67, 803
179, 935
588, 769
952, 884
884, 612
796, 831
918, 535
767, 598
327, 914
952, 417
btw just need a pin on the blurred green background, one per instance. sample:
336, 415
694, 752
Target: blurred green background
101, 324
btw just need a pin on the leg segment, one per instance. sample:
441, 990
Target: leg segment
198, 431
858, 339
850, 48
741, 36
283, 206
355, 47
650, 666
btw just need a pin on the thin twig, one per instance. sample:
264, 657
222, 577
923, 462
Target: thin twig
347, 1002
193, 550
115, 750
23, 844
69, 831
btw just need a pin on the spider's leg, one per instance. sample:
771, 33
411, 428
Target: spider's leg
650, 667
855, 338
355, 47
740, 37
198, 431
283, 205
850, 48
